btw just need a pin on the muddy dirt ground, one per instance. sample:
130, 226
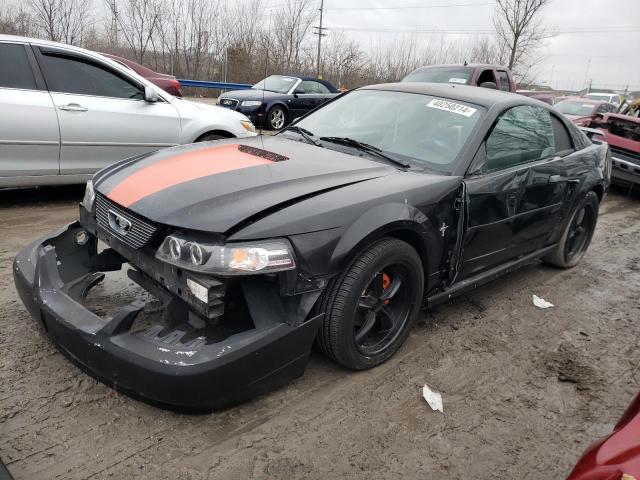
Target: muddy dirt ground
525, 390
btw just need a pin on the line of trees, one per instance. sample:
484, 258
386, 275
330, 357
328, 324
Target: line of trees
241, 41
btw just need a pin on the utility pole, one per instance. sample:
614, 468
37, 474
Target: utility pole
320, 33
586, 75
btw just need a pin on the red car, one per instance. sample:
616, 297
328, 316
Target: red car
622, 133
584, 112
168, 83
616, 457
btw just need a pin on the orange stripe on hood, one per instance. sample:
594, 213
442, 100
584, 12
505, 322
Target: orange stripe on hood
179, 169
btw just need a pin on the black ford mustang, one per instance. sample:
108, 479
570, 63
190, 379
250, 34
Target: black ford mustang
278, 99
337, 231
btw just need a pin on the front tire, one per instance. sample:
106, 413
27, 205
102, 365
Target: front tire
208, 137
276, 118
577, 235
370, 308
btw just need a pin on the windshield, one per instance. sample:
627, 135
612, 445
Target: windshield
603, 96
422, 130
276, 83
461, 75
574, 107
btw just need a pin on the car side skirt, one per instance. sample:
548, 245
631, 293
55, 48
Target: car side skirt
475, 281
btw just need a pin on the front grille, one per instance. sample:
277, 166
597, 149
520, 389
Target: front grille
624, 154
140, 232
229, 103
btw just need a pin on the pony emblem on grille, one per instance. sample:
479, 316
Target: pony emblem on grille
118, 223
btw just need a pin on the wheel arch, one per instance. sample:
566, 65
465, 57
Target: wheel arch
599, 191
224, 133
278, 103
396, 220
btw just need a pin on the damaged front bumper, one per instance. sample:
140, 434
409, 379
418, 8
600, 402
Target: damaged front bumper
626, 169
181, 360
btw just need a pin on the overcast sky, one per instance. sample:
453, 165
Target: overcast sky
602, 36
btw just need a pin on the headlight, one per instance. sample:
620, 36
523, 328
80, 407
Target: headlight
248, 126
89, 196
251, 103
232, 259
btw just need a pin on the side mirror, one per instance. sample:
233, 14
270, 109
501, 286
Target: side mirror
150, 95
298, 91
491, 85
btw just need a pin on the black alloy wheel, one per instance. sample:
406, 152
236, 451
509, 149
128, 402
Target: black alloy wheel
580, 230
383, 310
370, 308
578, 234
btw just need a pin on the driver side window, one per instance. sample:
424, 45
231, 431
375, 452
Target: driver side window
521, 135
72, 75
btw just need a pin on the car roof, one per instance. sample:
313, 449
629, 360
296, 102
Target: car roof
327, 84
591, 101
458, 65
486, 97
40, 41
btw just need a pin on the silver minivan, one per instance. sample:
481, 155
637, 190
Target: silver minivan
66, 112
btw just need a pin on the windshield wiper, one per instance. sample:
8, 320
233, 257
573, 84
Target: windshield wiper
306, 134
366, 148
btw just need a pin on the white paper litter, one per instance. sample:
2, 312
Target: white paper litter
434, 399
541, 302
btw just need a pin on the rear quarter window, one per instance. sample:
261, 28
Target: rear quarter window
15, 70
580, 140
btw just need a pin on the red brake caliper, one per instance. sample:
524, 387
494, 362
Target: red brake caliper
386, 283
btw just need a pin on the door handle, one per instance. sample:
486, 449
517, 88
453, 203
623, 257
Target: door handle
73, 107
557, 179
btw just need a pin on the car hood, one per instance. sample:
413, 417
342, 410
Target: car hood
578, 118
251, 94
214, 186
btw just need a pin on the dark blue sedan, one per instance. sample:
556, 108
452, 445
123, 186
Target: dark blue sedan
278, 99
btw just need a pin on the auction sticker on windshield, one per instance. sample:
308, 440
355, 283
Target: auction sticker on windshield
451, 107
458, 80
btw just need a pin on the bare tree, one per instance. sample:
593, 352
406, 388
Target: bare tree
61, 20
137, 20
342, 58
16, 22
291, 24
520, 31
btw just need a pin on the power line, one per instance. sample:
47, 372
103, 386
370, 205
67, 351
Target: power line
405, 7
471, 31
411, 7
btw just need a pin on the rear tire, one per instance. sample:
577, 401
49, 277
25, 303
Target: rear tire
370, 308
577, 235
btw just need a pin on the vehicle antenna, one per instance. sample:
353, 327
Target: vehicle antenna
266, 62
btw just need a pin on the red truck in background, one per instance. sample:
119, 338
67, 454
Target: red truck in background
622, 133
475, 74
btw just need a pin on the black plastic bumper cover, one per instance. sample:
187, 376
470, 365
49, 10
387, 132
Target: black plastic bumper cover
207, 377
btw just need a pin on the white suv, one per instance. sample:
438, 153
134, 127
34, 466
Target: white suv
67, 112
